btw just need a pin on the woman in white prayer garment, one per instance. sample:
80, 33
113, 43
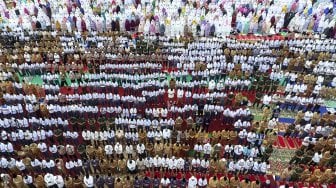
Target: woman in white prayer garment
146, 27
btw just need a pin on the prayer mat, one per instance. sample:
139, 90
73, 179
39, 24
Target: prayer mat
297, 142
191, 153
330, 104
282, 82
20, 77
280, 158
290, 143
36, 80
323, 109
257, 118
286, 120
66, 90
67, 79
281, 142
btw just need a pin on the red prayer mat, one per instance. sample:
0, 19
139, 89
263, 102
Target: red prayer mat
281, 142
290, 143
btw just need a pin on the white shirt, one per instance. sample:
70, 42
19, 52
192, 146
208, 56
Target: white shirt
317, 157
118, 148
59, 181
307, 127
49, 180
28, 180
129, 149
192, 182
140, 148
205, 164
109, 150
263, 167
166, 134
212, 85
202, 182
256, 167
198, 148
305, 141
20, 165
238, 149
207, 148
88, 181
165, 182
267, 99
272, 124
157, 161
131, 165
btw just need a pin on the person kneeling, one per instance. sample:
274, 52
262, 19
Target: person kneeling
131, 165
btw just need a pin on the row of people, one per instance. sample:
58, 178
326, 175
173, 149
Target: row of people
166, 180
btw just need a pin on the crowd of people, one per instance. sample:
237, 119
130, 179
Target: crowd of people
174, 118
86, 103
172, 18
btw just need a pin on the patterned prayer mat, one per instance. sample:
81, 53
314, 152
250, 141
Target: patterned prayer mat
279, 159
330, 104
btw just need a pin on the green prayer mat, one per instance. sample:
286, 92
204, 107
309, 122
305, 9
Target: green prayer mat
282, 81
37, 80
257, 118
191, 153
169, 77
330, 104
